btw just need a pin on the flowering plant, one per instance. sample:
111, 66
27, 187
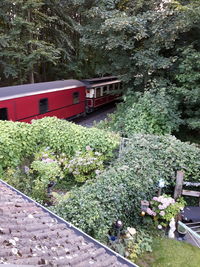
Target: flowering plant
164, 208
84, 165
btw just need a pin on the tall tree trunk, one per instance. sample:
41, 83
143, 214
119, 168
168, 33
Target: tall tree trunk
31, 72
31, 76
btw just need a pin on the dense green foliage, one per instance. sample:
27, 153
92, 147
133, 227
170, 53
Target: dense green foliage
23, 48
19, 140
16, 143
33, 155
150, 113
85, 165
39, 39
146, 43
188, 86
66, 137
158, 41
117, 192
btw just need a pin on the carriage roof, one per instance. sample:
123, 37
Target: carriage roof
10, 92
96, 82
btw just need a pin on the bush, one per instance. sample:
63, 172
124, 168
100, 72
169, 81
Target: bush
117, 192
67, 137
16, 142
20, 140
84, 166
46, 147
148, 113
164, 208
44, 170
132, 243
95, 206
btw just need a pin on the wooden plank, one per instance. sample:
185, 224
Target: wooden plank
193, 227
191, 193
179, 184
188, 224
191, 184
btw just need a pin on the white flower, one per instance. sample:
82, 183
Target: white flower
129, 236
131, 230
159, 226
97, 172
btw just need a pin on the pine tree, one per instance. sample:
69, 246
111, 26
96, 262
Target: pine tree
24, 47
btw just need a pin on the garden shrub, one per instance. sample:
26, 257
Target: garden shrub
168, 154
84, 165
16, 142
163, 209
117, 192
131, 243
67, 137
147, 113
49, 149
33, 179
45, 169
95, 206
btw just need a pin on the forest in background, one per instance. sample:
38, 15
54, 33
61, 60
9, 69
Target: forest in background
152, 45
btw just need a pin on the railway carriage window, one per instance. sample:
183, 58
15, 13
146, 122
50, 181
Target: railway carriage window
104, 90
110, 87
98, 92
76, 98
43, 105
3, 114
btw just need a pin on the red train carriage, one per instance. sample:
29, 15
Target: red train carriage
101, 91
63, 99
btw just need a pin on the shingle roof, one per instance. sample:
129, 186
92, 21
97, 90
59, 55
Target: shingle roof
10, 92
31, 235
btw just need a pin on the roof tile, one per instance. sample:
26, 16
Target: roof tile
31, 236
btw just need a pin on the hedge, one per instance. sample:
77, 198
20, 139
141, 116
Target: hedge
16, 142
21, 140
67, 137
117, 192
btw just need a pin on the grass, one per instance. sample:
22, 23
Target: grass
170, 253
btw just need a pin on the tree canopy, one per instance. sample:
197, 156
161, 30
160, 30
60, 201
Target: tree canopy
149, 44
